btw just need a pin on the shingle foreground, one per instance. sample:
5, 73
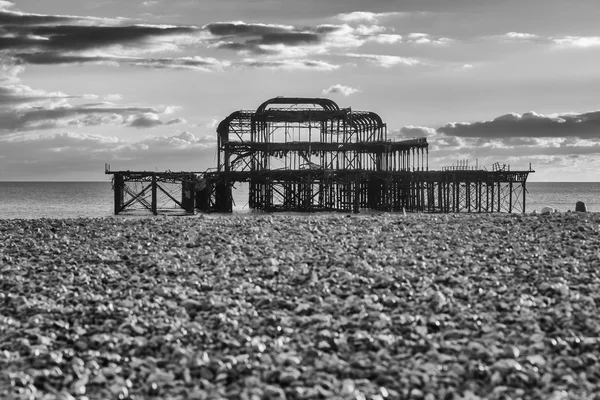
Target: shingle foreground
380, 306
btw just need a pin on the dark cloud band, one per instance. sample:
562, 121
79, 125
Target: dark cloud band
584, 125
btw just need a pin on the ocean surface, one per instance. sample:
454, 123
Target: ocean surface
25, 200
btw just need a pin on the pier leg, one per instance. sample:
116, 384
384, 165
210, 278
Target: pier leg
523, 187
119, 193
499, 190
510, 193
154, 200
356, 194
492, 197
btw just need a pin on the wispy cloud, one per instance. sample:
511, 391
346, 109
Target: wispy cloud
293, 64
386, 61
28, 110
340, 89
578, 41
284, 40
38, 152
425, 38
561, 41
15, 95
520, 36
191, 63
366, 16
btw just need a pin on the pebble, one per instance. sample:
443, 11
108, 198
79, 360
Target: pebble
378, 306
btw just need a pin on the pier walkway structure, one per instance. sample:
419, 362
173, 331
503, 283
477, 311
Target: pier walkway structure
308, 154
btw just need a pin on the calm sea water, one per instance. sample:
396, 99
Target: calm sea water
94, 199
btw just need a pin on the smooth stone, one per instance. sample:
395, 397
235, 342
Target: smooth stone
547, 210
580, 206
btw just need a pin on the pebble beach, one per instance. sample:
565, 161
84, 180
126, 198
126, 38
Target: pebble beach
332, 306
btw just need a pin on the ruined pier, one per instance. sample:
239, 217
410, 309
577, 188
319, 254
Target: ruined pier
308, 154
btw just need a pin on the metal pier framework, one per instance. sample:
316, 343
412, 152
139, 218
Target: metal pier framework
154, 191
308, 154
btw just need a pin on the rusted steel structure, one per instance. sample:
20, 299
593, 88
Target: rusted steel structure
156, 192
308, 154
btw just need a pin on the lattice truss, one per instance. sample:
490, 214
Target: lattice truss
155, 192
138, 196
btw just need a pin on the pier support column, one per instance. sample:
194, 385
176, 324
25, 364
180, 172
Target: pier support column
154, 199
119, 193
524, 189
510, 193
356, 194
188, 195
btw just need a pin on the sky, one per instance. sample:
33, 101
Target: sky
142, 85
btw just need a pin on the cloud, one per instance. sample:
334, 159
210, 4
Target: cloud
290, 41
386, 38
578, 41
9, 69
113, 97
212, 124
146, 120
151, 120
411, 131
176, 121
520, 36
19, 94
553, 141
27, 38
38, 39
295, 64
91, 37
5, 4
386, 61
531, 124
366, 16
425, 38
46, 154
340, 89
64, 115
192, 63
563, 41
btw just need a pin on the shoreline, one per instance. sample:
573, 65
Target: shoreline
254, 213
297, 307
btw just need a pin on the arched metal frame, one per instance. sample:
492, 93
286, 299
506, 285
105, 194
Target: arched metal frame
308, 154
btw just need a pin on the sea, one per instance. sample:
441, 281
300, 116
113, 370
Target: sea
27, 200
